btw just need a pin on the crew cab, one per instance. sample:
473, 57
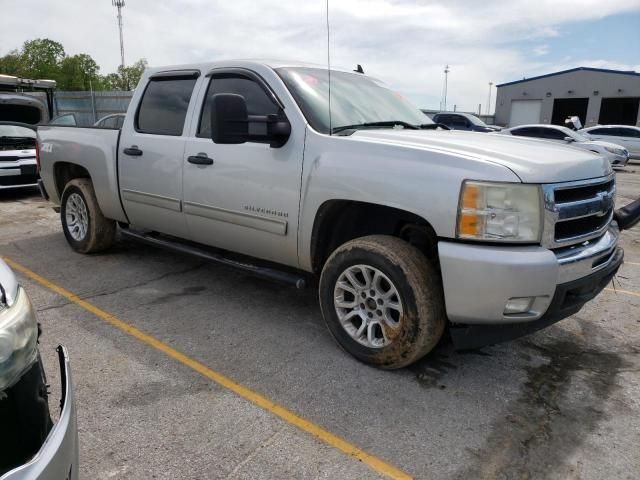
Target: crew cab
402, 222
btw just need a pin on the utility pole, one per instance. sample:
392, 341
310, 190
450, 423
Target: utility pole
489, 101
120, 5
444, 94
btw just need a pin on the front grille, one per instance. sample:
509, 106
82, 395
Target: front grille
9, 159
578, 211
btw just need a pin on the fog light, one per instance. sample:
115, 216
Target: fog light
518, 305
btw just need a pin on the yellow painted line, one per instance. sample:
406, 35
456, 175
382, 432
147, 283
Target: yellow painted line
321, 434
626, 292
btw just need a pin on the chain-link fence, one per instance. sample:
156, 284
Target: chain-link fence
88, 107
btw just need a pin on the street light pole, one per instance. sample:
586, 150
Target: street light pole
489, 100
120, 4
446, 78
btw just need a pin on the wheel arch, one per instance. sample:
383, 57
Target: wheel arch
64, 172
338, 221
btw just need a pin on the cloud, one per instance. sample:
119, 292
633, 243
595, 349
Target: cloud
541, 50
403, 42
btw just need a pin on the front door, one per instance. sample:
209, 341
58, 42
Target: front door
150, 154
245, 197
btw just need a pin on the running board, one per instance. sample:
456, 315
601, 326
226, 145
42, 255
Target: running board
297, 280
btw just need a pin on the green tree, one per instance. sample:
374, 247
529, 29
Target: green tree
10, 64
126, 78
46, 58
79, 72
41, 58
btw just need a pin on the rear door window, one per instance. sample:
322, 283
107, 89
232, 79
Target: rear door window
553, 134
164, 105
628, 132
459, 121
526, 132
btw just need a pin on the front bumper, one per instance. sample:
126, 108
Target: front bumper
57, 458
479, 280
18, 174
618, 160
568, 299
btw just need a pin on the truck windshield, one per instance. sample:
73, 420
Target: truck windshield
356, 100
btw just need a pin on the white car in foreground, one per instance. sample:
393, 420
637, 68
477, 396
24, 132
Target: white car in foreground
624, 135
616, 154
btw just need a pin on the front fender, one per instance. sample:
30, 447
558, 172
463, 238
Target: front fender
417, 180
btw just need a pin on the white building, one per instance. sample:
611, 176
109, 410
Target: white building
596, 95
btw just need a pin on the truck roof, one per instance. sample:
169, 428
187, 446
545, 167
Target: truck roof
247, 63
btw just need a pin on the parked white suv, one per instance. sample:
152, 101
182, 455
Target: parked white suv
624, 135
616, 154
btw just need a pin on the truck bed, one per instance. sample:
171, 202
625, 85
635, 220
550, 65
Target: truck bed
94, 149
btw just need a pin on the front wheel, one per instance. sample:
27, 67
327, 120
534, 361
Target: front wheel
85, 227
382, 300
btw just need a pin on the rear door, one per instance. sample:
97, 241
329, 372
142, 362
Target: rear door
630, 139
246, 199
151, 150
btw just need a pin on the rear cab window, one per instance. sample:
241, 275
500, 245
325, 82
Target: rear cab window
164, 104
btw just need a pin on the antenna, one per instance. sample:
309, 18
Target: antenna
329, 67
120, 5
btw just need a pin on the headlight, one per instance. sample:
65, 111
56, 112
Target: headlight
616, 151
18, 339
506, 212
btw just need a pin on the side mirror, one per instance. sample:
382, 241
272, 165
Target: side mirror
229, 119
230, 123
569, 139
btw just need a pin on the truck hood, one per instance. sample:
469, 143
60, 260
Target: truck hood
8, 286
533, 161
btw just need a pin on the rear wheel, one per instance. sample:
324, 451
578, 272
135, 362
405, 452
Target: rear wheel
85, 227
382, 300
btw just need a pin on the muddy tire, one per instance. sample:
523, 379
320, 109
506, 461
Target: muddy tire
83, 224
382, 301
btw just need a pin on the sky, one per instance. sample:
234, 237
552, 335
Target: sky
405, 43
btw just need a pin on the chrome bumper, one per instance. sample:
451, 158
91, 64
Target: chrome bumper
58, 456
479, 280
580, 261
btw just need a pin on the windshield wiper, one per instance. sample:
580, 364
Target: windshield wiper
387, 123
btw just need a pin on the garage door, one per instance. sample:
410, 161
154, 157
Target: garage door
524, 112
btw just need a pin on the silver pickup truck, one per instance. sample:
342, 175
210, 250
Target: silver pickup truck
409, 228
